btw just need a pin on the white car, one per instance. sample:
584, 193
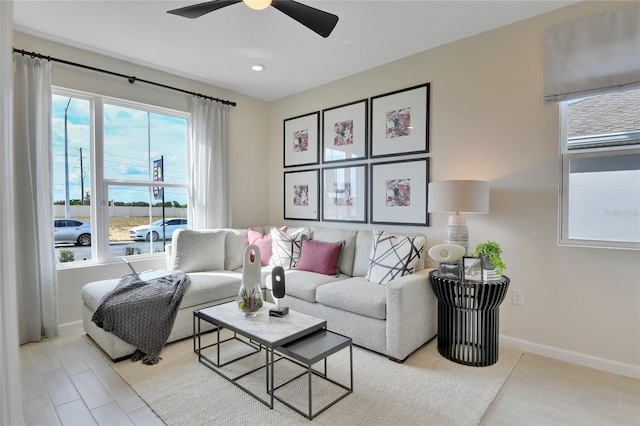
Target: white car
72, 231
154, 232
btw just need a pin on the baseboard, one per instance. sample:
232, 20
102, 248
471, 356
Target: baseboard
70, 326
603, 364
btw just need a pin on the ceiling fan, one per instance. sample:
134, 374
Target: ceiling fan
316, 20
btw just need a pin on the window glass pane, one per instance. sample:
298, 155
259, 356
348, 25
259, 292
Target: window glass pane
610, 119
138, 223
604, 198
134, 139
71, 132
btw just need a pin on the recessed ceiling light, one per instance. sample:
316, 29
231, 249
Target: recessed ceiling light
257, 67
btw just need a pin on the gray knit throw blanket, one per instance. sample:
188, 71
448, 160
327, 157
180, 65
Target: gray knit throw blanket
142, 312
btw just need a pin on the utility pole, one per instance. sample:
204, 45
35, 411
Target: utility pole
81, 180
66, 165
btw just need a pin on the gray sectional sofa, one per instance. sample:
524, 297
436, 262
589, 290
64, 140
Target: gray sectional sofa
393, 319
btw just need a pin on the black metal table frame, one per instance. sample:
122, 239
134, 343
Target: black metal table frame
468, 319
310, 371
216, 366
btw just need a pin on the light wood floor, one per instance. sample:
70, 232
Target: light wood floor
65, 381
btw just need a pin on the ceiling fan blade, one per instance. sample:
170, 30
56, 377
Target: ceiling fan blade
197, 10
316, 20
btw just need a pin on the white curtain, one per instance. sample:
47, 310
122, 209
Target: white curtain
36, 264
209, 198
592, 56
10, 383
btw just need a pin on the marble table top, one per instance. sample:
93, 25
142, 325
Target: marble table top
268, 330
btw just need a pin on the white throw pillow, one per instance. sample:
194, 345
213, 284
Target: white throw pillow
286, 247
393, 256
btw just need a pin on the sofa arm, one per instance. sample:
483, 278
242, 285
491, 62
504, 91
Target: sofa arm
167, 254
411, 314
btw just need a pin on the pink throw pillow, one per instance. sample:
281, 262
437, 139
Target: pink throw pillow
263, 241
320, 256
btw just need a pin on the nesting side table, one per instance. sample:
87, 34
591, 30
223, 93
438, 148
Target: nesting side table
468, 318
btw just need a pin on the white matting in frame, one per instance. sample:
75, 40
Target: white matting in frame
302, 195
400, 122
300, 140
344, 132
398, 192
344, 192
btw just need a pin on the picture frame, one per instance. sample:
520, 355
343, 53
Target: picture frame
344, 190
472, 267
300, 140
345, 132
450, 270
400, 122
302, 195
398, 192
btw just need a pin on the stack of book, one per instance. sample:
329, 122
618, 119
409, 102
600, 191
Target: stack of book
490, 275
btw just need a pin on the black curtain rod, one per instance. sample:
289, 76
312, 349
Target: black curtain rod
131, 79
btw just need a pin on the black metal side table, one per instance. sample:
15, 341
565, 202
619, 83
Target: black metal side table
468, 318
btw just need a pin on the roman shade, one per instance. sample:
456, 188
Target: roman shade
596, 55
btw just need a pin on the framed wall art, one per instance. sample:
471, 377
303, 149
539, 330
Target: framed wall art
344, 192
344, 132
300, 140
398, 192
400, 122
302, 195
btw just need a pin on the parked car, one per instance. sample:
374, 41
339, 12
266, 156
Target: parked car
154, 232
72, 231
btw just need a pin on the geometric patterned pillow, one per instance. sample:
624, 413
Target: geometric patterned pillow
393, 256
286, 247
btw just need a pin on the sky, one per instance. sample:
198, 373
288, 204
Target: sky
133, 139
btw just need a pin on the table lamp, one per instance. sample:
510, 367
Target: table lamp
458, 197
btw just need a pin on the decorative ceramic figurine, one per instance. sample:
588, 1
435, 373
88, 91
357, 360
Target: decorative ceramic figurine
249, 298
446, 252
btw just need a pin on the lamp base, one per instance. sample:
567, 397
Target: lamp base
279, 311
457, 232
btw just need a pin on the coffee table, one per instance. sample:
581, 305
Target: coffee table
261, 331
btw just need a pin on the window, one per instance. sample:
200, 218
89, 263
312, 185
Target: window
120, 170
600, 192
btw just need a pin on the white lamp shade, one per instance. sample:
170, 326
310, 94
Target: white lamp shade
458, 196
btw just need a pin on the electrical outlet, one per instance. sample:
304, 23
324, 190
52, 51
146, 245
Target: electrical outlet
517, 297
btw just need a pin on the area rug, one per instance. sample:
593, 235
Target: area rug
426, 389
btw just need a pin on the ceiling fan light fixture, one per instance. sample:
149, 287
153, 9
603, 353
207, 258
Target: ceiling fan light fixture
257, 67
257, 4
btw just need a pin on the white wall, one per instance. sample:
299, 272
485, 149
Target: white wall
249, 145
489, 122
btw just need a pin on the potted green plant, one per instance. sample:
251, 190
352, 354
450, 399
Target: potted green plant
490, 253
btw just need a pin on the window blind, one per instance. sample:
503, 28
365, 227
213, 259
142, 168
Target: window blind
596, 55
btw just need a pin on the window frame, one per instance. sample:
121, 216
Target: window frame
614, 144
99, 210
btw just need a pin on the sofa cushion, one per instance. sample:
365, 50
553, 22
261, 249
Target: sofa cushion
355, 295
264, 243
286, 247
348, 251
320, 256
198, 250
211, 287
364, 241
303, 284
234, 243
393, 256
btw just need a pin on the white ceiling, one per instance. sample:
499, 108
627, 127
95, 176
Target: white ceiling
219, 48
